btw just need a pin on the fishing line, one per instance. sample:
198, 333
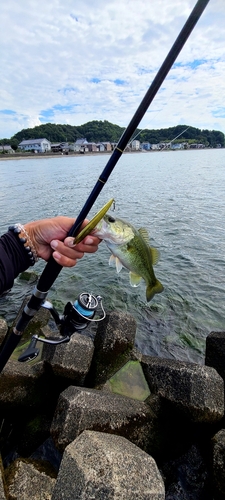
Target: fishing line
175, 138
52, 268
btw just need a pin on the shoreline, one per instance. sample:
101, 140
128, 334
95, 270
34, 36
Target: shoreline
45, 156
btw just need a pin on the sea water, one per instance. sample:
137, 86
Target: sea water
177, 196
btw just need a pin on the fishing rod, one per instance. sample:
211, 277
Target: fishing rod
52, 268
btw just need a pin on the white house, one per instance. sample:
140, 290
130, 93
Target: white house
40, 145
177, 145
135, 145
80, 145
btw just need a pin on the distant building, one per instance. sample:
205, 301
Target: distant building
146, 146
55, 147
177, 145
107, 146
92, 146
196, 146
6, 148
135, 145
62, 147
100, 147
80, 145
39, 145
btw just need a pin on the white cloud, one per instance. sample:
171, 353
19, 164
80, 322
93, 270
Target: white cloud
73, 61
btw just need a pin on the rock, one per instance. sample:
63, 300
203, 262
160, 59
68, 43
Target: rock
21, 384
2, 488
25, 481
105, 466
187, 476
114, 341
48, 452
70, 360
80, 409
218, 442
215, 352
3, 329
196, 390
29, 276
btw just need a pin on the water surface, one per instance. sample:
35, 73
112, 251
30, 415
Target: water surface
178, 197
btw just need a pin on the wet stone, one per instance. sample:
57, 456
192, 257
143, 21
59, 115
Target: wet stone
25, 481
215, 352
70, 360
2, 489
3, 329
21, 384
80, 409
196, 390
114, 341
104, 466
218, 443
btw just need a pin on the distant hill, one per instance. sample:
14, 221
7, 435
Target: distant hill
103, 131
94, 131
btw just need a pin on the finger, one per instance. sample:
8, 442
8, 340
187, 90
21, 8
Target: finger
71, 253
63, 260
81, 247
88, 240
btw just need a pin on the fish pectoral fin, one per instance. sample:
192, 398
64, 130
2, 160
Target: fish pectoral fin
112, 260
152, 290
135, 279
115, 262
119, 265
155, 255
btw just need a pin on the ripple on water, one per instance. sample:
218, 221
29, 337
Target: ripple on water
178, 198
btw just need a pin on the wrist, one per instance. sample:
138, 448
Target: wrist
26, 239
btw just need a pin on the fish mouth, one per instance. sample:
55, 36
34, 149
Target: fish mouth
101, 229
93, 222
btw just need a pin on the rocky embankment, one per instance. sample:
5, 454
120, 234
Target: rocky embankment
95, 419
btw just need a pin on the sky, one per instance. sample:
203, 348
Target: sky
74, 61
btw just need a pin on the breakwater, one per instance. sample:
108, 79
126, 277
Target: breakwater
95, 417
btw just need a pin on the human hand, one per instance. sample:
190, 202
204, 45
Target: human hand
48, 236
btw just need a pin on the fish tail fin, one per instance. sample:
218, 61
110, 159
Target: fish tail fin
152, 290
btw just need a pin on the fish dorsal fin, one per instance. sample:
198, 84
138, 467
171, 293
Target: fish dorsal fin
115, 262
144, 233
155, 255
134, 279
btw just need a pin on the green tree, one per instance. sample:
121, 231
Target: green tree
104, 131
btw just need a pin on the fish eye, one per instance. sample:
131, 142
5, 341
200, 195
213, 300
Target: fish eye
111, 219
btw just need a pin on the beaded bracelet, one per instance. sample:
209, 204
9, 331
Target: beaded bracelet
25, 239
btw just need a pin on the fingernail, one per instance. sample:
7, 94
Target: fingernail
56, 255
70, 242
54, 244
88, 240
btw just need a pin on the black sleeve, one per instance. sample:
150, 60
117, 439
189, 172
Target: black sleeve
13, 260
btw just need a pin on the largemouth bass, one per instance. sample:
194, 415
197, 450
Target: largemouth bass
130, 248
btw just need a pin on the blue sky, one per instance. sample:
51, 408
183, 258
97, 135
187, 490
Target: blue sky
72, 61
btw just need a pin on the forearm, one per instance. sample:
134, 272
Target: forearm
13, 260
